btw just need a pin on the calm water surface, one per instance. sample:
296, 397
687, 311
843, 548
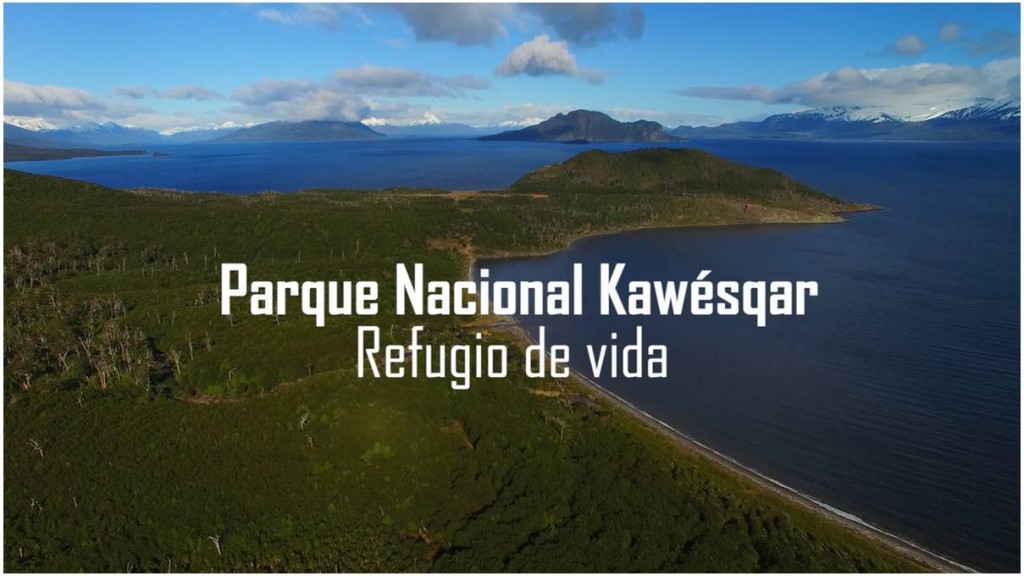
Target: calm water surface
897, 398
451, 163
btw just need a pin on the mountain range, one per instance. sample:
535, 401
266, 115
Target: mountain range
426, 126
107, 134
979, 120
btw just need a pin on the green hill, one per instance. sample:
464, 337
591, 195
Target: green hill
144, 431
678, 171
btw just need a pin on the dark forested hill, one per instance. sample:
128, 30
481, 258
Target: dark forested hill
587, 126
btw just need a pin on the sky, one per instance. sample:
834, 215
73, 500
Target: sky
176, 66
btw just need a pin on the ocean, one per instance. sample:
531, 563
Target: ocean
896, 398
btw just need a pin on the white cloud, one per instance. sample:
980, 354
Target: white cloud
900, 87
401, 82
348, 94
539, 57
297, 100
27, 99
62, 106
543, 57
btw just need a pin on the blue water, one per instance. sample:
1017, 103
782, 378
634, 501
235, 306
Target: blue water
450, 163
897, 398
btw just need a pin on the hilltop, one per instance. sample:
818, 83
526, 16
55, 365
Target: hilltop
582, 126
681, 172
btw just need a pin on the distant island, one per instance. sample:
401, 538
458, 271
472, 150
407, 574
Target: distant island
17, 153
305, 131
586, 126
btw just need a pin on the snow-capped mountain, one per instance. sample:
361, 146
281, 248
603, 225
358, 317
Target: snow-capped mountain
183, 134
843, 114
428, 119
965, 120
106, 134
986, 109
427, 125
33, 124
524, 123
107, 127
90, 134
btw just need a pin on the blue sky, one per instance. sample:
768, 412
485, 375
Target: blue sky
168, 66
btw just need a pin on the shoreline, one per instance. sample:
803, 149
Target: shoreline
929, 559
475, 257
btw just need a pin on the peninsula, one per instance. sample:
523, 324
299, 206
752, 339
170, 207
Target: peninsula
17, 153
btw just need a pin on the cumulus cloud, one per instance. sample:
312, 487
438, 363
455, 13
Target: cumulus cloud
27, 99
185, 92
909, 45
400, 82
271, 99
914, 85
544, 57
462, 24
539, 57
61, 105
347, 94
950, 32
482, 24
589, 24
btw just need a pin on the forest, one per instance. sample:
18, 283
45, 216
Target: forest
146, 431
